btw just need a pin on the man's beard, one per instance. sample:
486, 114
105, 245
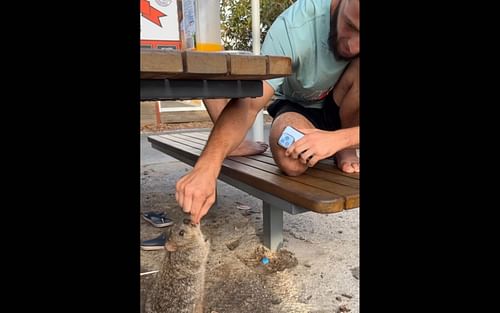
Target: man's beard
333, 37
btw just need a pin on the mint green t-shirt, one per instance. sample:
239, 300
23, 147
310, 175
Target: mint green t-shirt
301, 33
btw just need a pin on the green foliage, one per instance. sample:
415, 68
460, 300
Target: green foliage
236, 18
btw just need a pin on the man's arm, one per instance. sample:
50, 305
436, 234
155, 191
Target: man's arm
195, 192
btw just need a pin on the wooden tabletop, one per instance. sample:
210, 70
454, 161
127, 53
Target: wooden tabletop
173, 64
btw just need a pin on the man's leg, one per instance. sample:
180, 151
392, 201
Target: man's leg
291, 167
346, 96
247, 147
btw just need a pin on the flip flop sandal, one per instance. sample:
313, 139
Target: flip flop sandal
157, 219
157, 243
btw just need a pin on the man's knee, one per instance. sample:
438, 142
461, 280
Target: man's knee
292, 167
287, 165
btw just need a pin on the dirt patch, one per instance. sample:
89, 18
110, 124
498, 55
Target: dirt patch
152, 128
307, 275
235, 280
266, 261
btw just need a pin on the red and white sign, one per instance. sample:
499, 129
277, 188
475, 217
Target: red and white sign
159, 24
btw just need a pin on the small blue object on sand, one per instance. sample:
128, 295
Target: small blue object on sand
264, 260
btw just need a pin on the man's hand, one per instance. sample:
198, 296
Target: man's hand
319, 144
195, 192
316, 145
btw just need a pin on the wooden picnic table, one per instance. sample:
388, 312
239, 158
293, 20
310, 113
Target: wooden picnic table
174, 75
167, 75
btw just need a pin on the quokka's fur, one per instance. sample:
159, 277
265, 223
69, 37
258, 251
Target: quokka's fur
179, 285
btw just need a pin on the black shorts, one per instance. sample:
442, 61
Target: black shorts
327, 118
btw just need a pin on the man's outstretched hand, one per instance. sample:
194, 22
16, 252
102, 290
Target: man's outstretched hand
195, 192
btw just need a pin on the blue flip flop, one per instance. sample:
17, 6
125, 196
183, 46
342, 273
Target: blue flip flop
157, 219
157, 243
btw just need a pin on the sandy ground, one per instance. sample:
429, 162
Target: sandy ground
317, 270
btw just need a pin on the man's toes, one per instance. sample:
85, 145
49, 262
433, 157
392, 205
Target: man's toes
347, 167
355, 166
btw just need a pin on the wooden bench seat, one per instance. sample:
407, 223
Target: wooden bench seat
322, 189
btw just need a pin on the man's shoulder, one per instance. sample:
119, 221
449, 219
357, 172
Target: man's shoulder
305, 11
300, 27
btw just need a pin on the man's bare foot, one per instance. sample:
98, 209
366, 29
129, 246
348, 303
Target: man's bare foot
248, 147
348, 160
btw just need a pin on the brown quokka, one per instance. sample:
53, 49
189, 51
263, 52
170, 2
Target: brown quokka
179, 285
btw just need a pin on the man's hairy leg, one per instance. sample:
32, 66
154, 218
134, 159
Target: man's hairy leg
247, 147
346, 95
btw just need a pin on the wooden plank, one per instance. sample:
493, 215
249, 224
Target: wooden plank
324, 167
171, 64
335, 170
350, 194
204, 63
324, 180
279, 65
303, 195
198, 135
159, 61
247, 64
333, 176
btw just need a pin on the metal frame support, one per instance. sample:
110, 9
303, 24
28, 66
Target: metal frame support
256, 133
166, 89
273, 226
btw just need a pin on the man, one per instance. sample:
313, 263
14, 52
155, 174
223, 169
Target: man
319, 99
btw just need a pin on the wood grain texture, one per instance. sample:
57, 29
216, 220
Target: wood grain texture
277, 65
158, 61
248, 65
204, 63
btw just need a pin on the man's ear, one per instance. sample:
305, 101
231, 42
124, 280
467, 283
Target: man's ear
170, 246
